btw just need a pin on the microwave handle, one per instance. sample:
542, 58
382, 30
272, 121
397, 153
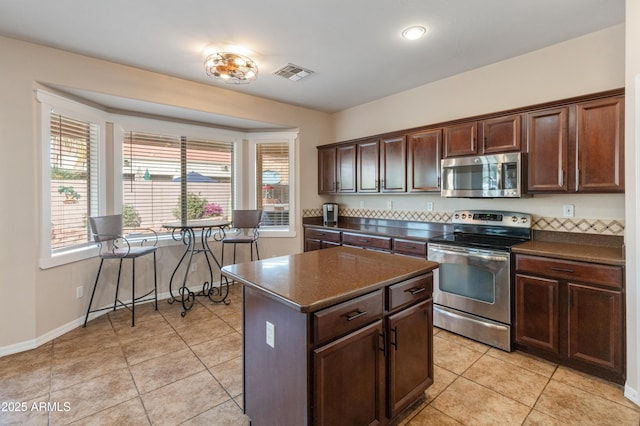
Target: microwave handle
499, 176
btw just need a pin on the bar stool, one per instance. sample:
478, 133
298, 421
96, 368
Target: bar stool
244, 230
107, 232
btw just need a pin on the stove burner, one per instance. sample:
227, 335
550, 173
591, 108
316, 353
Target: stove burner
487, 229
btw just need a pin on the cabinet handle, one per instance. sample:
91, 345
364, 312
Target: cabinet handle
561, 177
416, 290
394, 343
353, 315
383, 349
570, 271
438, 181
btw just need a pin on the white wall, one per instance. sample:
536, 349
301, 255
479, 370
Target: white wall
35, 302
584, 65
632, 179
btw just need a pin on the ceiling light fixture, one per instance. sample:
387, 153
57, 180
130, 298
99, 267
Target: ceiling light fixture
414, 33
231, 67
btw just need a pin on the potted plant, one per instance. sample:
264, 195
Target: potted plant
70, 194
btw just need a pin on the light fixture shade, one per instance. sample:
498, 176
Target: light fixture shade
231, 67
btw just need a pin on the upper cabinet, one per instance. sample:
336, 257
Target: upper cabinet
490, 136
461, 139
600, 145
423, 161
577, 148
337, 169
393, 164
572, 146
548, 142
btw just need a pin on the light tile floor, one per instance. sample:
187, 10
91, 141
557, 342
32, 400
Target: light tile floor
170, 370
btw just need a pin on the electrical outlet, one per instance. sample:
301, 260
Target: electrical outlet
271, 335
389, 205
79, 292
194, 267
430, 206
362, 204
567, 210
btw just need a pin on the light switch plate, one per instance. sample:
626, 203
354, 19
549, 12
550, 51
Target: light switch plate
271, 332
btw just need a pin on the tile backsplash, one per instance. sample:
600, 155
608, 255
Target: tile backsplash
540, 223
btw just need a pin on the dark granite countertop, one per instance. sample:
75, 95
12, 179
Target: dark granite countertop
387, 228
317, 279
570, 251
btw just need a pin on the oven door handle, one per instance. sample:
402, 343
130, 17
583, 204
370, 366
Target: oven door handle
466, 253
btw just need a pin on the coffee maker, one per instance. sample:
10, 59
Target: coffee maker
330, 214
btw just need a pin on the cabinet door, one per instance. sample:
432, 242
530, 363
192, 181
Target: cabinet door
346, 168
502, 134
600, 145
423, 161
595, 326
537, 312
460, 139
349, 379
410, 354
368, 166
326, 170
393, 161
311, 244
548, 146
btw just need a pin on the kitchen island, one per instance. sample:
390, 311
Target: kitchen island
335, 336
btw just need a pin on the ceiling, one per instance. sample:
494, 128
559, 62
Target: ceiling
354, 47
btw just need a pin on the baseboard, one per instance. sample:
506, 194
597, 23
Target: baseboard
631, 394
50, 335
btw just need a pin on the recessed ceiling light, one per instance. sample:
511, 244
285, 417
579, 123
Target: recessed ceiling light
414, 33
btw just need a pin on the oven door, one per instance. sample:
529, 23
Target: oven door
475, 281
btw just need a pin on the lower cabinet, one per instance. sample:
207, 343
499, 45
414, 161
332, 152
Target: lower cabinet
358, 362
573, 312
319, 238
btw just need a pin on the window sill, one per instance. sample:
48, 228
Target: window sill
69, 256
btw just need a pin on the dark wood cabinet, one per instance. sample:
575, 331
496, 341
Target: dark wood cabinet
346, 168
409, 373
368, 241
327, 170
337, 169
599, 145
490, 136
577, 148
320, 238
349, 379
461, 139
423, 161
548, 146
501, 134
537, 312
368, 154
393, 162
573, 312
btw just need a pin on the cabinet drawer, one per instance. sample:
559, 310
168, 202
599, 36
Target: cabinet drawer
347, 316
610, 276
409, 291
322, 234
410, 247
367, 241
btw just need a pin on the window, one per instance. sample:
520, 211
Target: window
274, 184
153, 167
71, 178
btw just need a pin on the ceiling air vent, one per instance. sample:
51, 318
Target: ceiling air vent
293, 72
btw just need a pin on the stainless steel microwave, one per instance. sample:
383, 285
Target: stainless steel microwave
484, 176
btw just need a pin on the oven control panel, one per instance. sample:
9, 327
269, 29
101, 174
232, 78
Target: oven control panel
494, 218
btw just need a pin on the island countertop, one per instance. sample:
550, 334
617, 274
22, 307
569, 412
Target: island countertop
313, 280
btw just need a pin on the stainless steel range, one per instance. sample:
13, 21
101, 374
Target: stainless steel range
472, 292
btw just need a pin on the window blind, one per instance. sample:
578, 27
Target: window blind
152, 179
74, 181
272, 163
